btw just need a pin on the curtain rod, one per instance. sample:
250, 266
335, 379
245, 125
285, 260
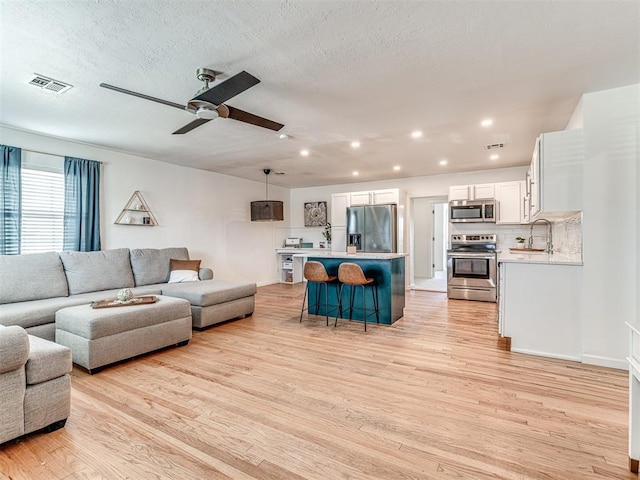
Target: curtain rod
53, 154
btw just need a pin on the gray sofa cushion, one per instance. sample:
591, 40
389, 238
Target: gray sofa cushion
151, 265
31, 277
209, 292
47, 360
93, 271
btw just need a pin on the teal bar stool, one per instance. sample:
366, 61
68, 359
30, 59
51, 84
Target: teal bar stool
314, 272
352, 275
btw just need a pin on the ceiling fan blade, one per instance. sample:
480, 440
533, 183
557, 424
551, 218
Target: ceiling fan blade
229, 88
247, 117
142, 95
190, 126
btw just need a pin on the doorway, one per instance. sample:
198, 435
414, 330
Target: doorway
429, 233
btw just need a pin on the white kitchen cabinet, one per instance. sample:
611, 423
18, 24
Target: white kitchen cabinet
484, 191
556, 174
459, 192
538, 309
385, 197
509, 202
338, 239
375, 197
339, 204
360, 198
526, 198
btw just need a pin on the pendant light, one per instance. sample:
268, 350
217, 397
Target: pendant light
267, 210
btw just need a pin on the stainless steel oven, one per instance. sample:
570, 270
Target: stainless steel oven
472, 272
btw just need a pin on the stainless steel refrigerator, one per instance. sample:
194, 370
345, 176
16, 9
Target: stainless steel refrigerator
373, 228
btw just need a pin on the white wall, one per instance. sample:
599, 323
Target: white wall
610, 213
440, 234
206, 212
422, 231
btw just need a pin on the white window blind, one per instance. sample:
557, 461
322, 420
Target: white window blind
42, 209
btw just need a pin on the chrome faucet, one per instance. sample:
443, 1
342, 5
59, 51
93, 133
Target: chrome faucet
549, 248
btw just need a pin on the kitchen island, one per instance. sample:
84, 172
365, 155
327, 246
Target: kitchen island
388, 271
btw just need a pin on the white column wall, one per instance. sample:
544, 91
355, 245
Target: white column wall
206, 212
610, 212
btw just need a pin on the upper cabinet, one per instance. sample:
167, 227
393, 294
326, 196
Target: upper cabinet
510, 201
483, 191
375, 197
555, 176
339, 204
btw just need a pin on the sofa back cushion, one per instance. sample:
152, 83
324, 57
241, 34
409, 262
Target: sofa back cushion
95, 271
151, 265
31, 277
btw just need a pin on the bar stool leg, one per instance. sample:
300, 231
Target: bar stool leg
335, 324
306, 289
326, 301
351, 300
375, 301
364, 306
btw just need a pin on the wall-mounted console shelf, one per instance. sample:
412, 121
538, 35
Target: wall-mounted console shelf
136, 212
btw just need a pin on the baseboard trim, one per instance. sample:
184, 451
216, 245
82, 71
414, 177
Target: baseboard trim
545, 354
269, 282
618, 363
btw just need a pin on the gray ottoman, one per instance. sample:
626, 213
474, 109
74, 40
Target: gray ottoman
99, 337
214, 301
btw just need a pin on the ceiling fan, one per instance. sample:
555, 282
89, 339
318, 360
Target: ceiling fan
208, 103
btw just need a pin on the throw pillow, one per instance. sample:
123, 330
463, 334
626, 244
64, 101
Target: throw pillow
183, 270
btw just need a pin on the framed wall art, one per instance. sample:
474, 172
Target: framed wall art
315, 214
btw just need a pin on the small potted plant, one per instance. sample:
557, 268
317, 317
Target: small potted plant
327, 234
520, 242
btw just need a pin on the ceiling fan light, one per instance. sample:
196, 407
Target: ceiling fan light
206, 113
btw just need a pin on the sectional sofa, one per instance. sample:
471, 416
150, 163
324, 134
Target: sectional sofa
34, 287
45, 298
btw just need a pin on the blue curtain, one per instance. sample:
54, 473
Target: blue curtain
10, 200
81, 204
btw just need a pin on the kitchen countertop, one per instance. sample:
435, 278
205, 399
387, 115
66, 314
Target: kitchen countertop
323, 252
540, 258
361, 256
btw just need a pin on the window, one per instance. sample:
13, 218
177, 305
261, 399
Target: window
42, 203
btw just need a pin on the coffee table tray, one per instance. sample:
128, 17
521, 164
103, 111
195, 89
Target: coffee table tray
114, 302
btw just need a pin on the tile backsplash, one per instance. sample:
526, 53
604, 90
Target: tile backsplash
567, 233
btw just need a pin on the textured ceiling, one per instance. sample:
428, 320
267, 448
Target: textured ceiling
332, 72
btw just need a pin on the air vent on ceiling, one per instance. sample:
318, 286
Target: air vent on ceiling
49, 84
493, 146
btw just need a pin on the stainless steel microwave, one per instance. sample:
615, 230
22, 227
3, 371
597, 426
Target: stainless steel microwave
472, 211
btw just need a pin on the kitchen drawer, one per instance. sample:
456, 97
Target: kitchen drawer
287, 265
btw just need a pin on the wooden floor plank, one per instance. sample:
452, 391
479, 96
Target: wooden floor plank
269, 397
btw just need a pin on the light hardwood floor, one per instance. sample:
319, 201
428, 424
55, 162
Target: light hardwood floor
268, 397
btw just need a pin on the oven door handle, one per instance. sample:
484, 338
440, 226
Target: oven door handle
488, 256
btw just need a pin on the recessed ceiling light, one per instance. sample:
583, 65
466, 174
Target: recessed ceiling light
356, 173
396, 168
487, 122
304, 153
416, 134
283, 136
355, 144
443, 162
494, 157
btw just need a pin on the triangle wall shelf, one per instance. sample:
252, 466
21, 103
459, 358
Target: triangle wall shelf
136, 212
